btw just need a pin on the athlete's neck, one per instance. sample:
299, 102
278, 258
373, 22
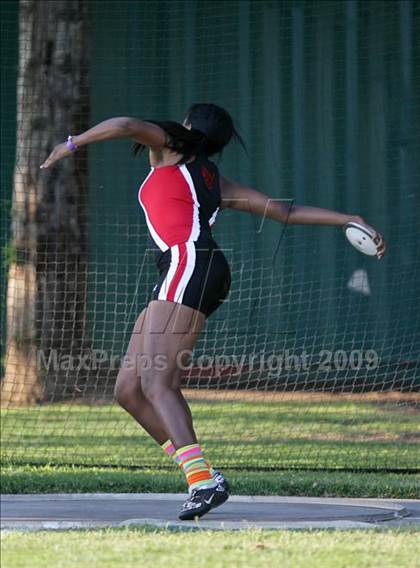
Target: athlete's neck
162, 159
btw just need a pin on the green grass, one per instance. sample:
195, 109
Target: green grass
154, 549
305, 434
67, 479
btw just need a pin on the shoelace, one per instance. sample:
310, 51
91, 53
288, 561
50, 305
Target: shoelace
190, 502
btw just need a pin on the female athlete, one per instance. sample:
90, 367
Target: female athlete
181, 197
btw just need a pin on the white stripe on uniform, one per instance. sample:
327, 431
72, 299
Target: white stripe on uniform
163, 292
195, 229
213, 217
188, 271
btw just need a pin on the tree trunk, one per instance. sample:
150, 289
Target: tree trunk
47, 281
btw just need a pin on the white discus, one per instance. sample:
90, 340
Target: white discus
361, 238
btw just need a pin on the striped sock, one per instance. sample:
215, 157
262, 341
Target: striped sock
212, 470
169, 448
195, 467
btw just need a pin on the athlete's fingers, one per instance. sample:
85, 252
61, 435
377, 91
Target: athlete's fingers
46, 164
58, 152
381, 246
50, 160
381, 251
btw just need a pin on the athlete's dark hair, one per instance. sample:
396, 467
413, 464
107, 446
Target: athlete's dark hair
211, 130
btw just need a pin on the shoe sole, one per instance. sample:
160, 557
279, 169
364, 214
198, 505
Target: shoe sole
191, 515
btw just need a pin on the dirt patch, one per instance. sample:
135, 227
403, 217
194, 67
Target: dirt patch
271, 396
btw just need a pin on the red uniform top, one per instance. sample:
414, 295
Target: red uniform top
181, 202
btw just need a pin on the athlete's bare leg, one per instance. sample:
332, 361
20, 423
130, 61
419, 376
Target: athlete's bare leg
129, 393
170, 329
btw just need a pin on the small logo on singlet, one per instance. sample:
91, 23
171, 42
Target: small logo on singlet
208, 177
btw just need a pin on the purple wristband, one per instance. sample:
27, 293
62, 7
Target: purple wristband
70, 144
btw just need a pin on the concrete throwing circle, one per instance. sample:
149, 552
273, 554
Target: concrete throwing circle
55, 511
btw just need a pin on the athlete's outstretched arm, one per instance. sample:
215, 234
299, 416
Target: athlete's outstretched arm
120, 127
242, 198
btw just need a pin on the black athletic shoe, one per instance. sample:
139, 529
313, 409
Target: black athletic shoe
220, 479
201, 501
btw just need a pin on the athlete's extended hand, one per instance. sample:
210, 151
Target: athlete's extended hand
60, 151
377, 238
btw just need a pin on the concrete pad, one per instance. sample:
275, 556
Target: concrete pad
97, 510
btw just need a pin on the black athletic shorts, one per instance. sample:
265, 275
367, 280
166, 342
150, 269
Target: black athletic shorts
194, 274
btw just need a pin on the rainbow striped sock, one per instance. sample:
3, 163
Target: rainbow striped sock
195, 467
170, 449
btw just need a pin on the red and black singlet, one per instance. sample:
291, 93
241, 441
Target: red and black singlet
181, 203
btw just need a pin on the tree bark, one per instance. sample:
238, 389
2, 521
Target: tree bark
47, 280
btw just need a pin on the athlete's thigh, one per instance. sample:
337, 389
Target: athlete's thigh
171, 331
136, 357
131, 363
